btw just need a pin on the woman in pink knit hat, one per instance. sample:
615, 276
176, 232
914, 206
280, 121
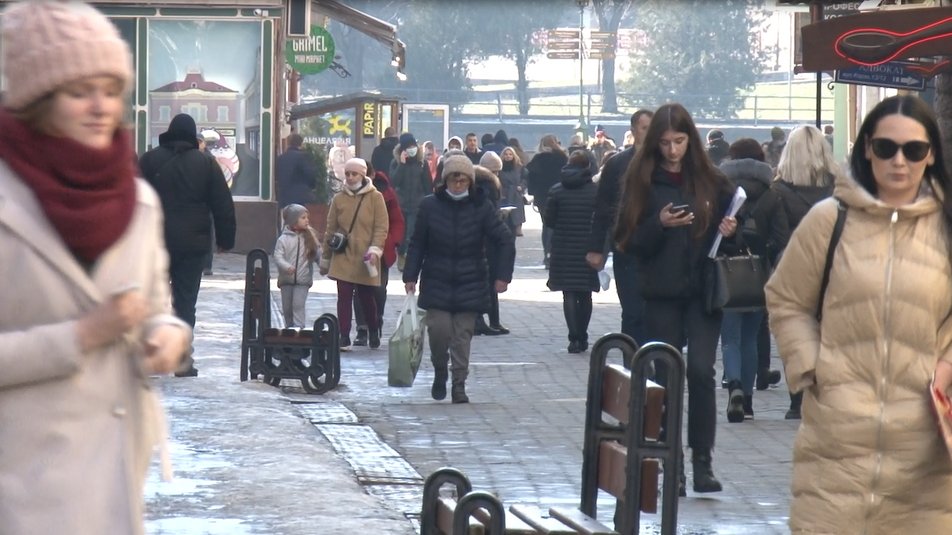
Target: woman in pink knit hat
87, 320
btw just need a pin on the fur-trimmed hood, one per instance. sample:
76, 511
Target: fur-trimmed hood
486, 177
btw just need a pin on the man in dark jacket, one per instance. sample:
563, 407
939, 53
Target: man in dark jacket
606, 205
193, 192
382, 156
295, 174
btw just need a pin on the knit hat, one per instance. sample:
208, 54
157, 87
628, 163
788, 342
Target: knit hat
458, 163
407, 140
48, 43
356, 164
181, 128
292, 213
491, 161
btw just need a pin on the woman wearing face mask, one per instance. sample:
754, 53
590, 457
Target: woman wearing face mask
867, 456
359, 213
411, 179
671, 246
447, 254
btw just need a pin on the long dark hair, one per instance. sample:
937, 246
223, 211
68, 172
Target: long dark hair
701, 177
917, 110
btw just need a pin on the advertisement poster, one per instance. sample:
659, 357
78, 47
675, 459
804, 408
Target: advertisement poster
211, 71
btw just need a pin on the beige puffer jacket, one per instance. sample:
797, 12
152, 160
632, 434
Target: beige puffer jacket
867, 458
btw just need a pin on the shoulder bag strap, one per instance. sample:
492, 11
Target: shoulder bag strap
356, 211
834, 240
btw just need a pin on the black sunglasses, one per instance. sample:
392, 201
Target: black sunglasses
885, 149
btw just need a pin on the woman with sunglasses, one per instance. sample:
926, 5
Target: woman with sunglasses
868, 457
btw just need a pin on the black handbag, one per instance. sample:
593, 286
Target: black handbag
736, 283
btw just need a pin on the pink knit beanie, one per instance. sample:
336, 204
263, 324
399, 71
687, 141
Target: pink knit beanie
47, 43
356, 164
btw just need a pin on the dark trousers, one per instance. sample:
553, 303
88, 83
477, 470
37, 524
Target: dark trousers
763, 345
577, 307
629, 295
380, 298
345, 302
669, 320
185, 273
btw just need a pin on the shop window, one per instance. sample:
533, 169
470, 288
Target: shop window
187, 72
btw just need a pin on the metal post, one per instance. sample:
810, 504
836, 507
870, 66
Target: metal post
582, 4
816, 15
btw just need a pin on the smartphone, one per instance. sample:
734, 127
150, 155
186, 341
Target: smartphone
680, 208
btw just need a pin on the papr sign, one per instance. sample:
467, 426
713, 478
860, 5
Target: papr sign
369, 118
311, 54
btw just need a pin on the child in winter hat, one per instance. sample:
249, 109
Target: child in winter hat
48, 43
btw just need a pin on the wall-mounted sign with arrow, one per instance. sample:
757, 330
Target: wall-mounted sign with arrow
892, 74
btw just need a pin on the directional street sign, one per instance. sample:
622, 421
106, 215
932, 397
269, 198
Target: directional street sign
601, 54
562, 45
563, 54
890, 74
564, 34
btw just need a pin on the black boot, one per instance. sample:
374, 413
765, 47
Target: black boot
375, 338
361, 339
767, 377
735, 403
438, 391
482, 328
459, 392
748, 406
793, 413
494, 323
704, 480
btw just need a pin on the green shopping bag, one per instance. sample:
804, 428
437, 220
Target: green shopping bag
406, 344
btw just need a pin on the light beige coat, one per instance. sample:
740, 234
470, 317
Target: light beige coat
867, 458
76, 430
369, 234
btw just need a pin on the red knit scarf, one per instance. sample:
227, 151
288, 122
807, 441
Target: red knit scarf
87, 194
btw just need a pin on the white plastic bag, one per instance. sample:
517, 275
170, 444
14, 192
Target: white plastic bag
406, 344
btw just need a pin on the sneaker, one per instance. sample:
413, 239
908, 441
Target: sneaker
374, 338
361, 339
735, 403
345, 342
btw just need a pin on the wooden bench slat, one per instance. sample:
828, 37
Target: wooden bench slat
445, 507
654, 409
581, 522
538, 520
616, 392
613, 459
514, 524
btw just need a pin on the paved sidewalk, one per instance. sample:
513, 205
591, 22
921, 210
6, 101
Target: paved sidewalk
251, 458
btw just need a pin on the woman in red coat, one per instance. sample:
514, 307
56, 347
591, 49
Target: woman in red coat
394, 237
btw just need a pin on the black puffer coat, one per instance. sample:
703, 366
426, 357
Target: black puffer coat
193, 191
671, 262
447, 252
545, 169
569, 212
780, 210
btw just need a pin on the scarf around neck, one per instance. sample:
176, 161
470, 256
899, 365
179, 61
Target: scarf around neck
87, 194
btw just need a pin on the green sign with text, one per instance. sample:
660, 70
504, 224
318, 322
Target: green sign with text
312, 54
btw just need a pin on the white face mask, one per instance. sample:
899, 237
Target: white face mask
458, 196
412, 152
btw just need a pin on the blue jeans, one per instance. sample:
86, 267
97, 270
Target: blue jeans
739, 346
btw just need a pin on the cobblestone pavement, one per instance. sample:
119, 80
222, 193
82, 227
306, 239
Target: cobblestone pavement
255, 459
